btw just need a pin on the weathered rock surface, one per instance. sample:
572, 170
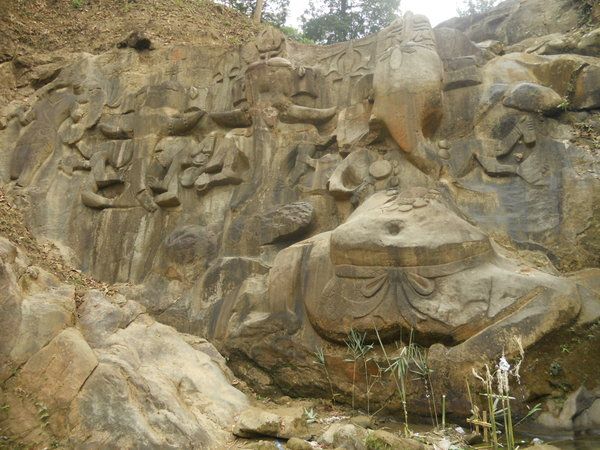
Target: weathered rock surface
112, 376
515, 20
275, 198
533, 98
255, 422
381, 439
346, 436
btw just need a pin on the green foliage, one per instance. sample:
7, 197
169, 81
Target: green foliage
585, 8
472, 7
310, 415
321, 360
77, 4
274, 12
296, 35
373, 443
331, 21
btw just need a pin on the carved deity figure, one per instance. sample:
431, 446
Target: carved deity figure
160, 111
407, 83
405, 260
39, 139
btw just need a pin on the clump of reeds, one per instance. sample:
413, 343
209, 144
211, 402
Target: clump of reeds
358, 349
497, 400
321, 360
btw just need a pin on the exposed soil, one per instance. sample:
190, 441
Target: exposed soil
563, 361
96, 25
44, 255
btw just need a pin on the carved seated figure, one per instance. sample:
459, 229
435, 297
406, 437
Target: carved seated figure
107, 167
226, 164
406, 261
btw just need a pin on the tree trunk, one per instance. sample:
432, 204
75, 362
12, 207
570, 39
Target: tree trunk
258, 11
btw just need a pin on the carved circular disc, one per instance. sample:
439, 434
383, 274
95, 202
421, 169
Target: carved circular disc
380, 169
420, 202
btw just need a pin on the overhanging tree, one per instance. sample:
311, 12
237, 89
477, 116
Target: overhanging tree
331, 21
273, 11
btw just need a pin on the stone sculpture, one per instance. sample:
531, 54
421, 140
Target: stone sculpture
407, 84
277, 197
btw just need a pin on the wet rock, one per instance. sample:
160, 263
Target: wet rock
563, 416
542, 447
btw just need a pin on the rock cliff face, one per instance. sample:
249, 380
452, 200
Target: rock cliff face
276, 198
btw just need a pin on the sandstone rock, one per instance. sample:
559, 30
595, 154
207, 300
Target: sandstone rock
346, 436
362, 421
43, 316
285, 222
452, 43
185, 175
514, 20
590, 43
99, 319
587, 94
494, 46
565, 417
298, 444
589, 419
256, 422
533, 98
381, 439
57, 372
263, 445
140, 361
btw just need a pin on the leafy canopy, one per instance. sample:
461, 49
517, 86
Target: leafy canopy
331, 21
275, 11
472, 7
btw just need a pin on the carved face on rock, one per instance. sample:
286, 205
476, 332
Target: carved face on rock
407, 82
406, 261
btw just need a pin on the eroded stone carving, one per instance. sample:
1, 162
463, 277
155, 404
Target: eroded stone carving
404, 260
411, 152
407, 83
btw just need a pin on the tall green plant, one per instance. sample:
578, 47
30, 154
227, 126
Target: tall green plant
320, 360
358, 349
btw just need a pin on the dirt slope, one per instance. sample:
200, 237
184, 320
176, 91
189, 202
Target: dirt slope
97, 25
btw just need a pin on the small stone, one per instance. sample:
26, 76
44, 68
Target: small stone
362, 421
405, 208
383, 439
420, 203
298, 444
